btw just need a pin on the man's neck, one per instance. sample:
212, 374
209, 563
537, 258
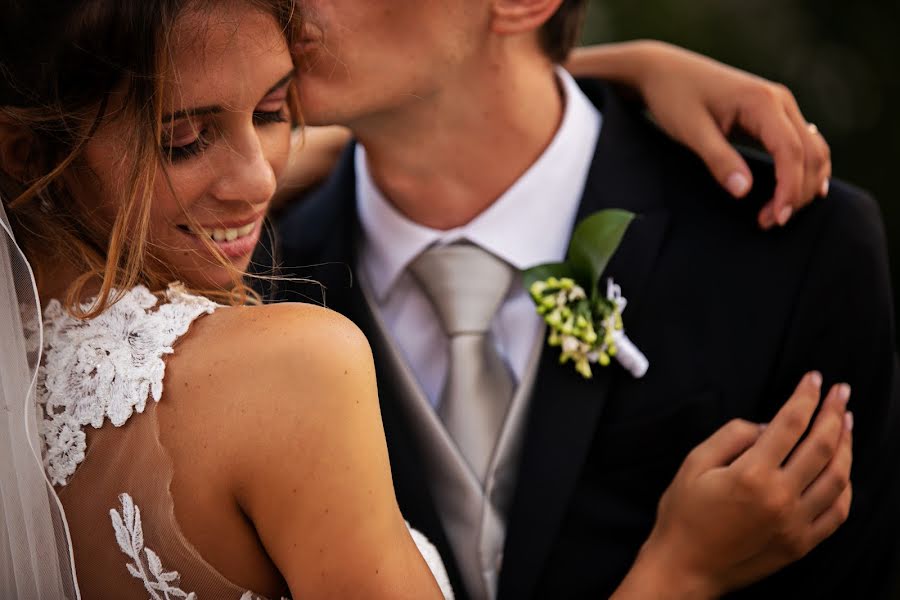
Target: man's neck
444, 160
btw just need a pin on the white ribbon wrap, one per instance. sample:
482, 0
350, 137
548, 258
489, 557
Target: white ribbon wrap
627, 354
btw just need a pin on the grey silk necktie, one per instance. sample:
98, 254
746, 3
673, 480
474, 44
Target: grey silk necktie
467, 285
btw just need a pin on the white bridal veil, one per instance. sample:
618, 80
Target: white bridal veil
35, 551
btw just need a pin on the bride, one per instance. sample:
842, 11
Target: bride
186, 459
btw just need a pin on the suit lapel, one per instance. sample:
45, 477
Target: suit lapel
565, 407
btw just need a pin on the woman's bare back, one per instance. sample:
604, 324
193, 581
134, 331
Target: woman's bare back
258, 465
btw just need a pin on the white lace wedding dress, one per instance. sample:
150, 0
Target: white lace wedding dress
108, 373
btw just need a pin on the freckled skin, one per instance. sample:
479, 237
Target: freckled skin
235, 177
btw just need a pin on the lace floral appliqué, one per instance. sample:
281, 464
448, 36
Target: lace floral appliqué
146, 564
105, 368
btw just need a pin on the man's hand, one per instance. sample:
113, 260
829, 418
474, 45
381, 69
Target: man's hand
750, 500
699, 101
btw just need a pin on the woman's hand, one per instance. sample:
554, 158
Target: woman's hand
749, 501
699, 101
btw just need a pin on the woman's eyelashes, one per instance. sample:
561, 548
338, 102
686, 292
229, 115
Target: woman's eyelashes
264, 117
189, 150
178, 152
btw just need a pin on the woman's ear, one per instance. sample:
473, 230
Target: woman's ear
16, 144
522, 16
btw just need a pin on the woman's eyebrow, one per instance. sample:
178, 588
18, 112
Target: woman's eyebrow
200, 111
192, 112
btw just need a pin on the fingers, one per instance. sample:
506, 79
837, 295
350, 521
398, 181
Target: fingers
819, 448
802, 157
816, 151
831, 519
708, 141
801, 149
722, 447
816, 156
784, 143
821, 495
821, 178
785, 430
763, 116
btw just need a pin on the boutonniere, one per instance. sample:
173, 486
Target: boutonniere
584, 323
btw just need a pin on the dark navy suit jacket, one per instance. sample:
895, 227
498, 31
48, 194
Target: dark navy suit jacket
730, 317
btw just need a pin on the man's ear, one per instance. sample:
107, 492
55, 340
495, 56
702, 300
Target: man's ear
16, 144
522, 16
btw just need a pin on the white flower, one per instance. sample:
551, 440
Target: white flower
588, 331
570, 344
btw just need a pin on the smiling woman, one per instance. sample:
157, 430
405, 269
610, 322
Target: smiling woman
140, 145
149, 136
191, 133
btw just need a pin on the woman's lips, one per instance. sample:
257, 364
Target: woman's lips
232, 242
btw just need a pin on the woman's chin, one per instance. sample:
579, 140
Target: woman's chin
203, 264
211, 277
224, 280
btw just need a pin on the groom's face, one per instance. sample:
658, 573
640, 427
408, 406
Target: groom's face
364, 57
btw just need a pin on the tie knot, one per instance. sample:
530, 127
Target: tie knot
465, 284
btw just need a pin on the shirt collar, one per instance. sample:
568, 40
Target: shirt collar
529, 224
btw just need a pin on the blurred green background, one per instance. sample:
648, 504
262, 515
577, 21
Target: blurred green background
839, 58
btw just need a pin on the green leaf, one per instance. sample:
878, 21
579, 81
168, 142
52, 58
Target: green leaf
546, 271
594, 242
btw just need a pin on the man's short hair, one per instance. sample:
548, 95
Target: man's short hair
562, 31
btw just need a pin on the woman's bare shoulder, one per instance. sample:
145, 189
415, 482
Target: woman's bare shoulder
264, 368
270, 327
278, 341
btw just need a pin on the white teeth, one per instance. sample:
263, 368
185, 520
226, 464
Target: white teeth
229, 235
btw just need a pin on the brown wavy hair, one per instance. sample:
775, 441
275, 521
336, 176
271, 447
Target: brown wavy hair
60, 63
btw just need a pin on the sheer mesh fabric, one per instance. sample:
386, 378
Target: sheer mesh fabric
99, 385
130, 460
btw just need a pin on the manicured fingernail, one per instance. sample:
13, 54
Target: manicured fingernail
815, 378
826, 185
784, 215
844, 393
767, 219
738, 184
848, 421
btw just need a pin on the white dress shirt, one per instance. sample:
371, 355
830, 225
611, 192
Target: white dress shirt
530, 224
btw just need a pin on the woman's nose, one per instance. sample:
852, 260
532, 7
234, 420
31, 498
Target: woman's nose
246, 174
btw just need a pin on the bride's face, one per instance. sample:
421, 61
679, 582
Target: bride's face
226, 128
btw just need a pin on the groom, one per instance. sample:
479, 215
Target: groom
476, 159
